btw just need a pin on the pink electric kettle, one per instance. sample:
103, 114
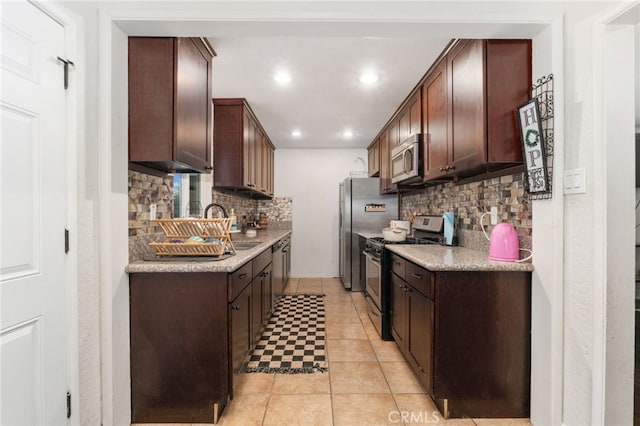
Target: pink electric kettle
503, 243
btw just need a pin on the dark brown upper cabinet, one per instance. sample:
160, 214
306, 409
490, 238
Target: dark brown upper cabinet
243, 153
476, 87
410, 121
465, 108
374, 158
170, 103
388, 137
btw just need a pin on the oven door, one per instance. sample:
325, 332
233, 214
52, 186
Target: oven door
373, 279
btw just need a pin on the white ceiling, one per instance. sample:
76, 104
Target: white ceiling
325, 96
325, 58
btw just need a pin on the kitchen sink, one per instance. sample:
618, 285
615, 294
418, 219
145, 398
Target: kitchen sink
245, 245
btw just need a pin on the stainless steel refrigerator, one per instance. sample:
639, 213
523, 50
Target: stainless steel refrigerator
362, 209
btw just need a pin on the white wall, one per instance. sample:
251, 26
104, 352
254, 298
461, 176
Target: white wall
546, 293
598, 247
619, 287
311, 177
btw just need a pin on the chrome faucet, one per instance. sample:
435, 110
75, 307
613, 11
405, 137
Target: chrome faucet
206, 210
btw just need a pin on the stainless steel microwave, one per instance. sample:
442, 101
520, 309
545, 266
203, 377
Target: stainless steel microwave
406, 161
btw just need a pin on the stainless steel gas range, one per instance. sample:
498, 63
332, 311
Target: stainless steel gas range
426, 230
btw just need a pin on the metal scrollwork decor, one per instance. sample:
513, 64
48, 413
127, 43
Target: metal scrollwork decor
535, 118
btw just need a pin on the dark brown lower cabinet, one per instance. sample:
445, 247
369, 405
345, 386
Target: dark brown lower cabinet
412, 325
267, 293
179, 357
398, 311
260, 302
240, 328
482, 343
190, 334
419, 344
467, 337
256, 310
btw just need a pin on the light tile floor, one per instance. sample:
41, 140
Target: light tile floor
368, 382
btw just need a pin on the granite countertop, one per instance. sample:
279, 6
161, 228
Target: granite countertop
443, 258
370, 234
267, 237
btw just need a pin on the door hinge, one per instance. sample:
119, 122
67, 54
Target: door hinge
66, 241
68, 404
66, 63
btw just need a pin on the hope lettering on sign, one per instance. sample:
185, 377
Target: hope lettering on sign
533, 146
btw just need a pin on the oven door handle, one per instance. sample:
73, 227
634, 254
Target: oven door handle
371, 258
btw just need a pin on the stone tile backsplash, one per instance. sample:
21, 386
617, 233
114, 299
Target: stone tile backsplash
468, 201
241, 206
278, 209
145, 190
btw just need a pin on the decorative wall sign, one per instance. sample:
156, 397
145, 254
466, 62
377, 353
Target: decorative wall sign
533, 147
375, 208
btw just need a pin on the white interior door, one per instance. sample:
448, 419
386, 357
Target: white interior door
33, 216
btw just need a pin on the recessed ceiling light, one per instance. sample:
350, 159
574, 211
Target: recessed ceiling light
282, 77
347, 134
296, 133
368, 78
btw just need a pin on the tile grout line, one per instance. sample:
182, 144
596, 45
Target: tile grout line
393, 396
326, 349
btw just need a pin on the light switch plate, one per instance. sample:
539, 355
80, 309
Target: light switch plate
575, 181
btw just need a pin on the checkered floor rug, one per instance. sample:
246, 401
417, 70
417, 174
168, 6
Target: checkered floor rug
293, 341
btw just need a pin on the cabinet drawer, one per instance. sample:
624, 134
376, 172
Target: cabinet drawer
420, 279
239, 279
398, 265
261, 261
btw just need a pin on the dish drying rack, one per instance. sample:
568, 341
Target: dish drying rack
178, 231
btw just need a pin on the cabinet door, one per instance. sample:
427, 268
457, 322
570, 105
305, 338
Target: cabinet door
468, 112
410, 118
508, 79
385, 162
393, 142
170, 103
404, 124
247, 148
374, 159
419, 342
415, 114
267, 294
435, 117
263, 167
258, 161
240, 331
387, 136
394, 135
256, 310
193, 104
398, 314
151, 90
270, 169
